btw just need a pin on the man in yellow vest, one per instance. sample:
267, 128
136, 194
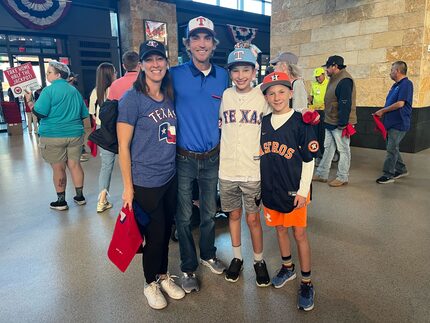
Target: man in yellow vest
319, 87
316, 102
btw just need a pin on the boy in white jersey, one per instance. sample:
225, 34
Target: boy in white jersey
241, 112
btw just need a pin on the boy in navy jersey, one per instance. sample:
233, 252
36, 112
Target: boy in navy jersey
288, 147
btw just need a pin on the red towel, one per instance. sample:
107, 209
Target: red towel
92, 145
311, 117
379, 126
126, 240
348, 131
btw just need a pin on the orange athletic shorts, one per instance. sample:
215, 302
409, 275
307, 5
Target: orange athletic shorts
296, 218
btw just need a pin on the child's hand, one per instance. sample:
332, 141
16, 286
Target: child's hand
299, 201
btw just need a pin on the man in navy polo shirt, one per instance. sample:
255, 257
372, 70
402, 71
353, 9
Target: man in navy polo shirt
397, 120
198, 87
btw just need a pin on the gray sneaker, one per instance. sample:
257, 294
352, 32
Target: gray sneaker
214, 264
189, 283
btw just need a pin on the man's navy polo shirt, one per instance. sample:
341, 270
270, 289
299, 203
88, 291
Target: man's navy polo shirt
197, 104
399, 119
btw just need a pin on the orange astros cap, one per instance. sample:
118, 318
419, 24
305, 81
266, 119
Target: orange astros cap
274, 79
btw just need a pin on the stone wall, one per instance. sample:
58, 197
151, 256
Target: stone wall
369, 34
134, 12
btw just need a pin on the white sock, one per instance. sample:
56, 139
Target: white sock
237, 252
258, 257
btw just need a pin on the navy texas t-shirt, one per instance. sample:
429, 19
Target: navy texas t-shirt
153, 146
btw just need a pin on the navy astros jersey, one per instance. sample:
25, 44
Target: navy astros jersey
282, 153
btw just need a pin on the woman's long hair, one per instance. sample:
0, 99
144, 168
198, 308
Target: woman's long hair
105, 77
140, 84
294, 71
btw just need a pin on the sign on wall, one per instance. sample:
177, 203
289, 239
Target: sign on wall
156, 30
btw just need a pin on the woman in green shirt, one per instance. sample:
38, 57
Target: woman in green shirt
61, 110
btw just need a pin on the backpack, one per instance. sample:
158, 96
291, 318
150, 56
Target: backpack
105, 136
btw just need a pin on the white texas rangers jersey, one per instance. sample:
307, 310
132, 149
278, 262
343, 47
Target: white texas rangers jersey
241, 116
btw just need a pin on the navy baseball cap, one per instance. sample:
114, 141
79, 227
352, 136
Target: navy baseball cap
335, 60
151, 47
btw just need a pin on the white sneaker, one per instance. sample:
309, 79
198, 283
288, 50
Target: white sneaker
154, 296
103, 206
169, 286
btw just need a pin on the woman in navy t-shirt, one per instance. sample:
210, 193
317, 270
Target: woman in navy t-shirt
147, 149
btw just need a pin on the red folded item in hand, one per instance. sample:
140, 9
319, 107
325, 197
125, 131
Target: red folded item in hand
379, 126
92, 145
126, 240
311, 117
348, 131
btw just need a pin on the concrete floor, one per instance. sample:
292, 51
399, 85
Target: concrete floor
370, 246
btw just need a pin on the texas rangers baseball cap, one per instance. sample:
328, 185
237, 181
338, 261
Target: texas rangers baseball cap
275, 78
287, 57
318, 71
151, 47
335, 60
200, 23
241, 55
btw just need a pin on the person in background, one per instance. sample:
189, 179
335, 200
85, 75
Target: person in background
316, 102
146, 129
340, 110
61, 111
286, 62
397, 113
106, 74
131, 64
73, 81
198, 86
31, 119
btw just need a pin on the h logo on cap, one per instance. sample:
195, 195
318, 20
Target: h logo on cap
152, 43
201, 20
275, 77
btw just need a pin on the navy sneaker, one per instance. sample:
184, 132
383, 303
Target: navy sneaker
385, 180
233, 271
306, 295
398, 175
283, 276
261, 274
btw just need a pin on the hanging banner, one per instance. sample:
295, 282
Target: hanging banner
37, 14
240, 33
22, 78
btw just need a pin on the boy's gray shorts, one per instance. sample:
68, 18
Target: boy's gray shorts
231, 193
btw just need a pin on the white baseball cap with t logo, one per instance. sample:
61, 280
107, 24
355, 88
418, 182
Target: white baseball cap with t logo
198, 23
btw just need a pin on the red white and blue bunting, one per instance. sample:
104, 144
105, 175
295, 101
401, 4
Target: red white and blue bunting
241, 34
37, 14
